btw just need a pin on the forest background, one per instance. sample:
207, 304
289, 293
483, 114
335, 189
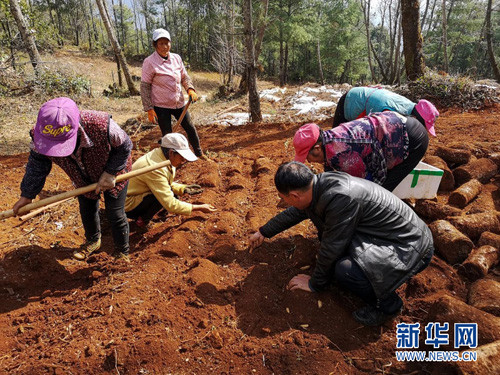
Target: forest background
344, 41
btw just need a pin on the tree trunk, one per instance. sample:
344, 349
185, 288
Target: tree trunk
116, 47
365, 6
253, 96
122, 24
49, 8
136, 27
320, 67
412, 39
431, 18
445, 39
262, 22
115, 24
6, 28
285, 65
346, 72
94, 27
489, 41
282, 60
118, 67
89, 29
28, 39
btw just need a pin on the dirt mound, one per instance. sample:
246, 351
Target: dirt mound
194, 300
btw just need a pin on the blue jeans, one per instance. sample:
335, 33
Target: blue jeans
115, 212
351, 277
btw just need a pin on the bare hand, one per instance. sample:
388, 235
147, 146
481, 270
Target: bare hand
301, 281
21, 203
205, 208
106, 181
256, 240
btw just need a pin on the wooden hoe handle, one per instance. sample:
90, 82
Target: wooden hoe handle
73, 193
179, 121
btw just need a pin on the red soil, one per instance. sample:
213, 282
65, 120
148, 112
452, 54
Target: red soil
194, 300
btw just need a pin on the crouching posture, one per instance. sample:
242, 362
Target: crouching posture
149, 193
371, 241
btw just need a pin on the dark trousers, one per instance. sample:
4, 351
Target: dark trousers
115, 212
418, 143
165, 122
339, 117
148, 208
351, 277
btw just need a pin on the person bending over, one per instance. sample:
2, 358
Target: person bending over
361, 101
383, 147
149, 193
371, 242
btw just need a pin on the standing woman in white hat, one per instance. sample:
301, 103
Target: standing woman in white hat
163, 76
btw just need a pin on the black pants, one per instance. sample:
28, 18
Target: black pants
165, 122
339, 117
351, 277
115, 211
418, 143
148, 208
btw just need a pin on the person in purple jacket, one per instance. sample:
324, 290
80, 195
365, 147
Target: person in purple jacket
91, 148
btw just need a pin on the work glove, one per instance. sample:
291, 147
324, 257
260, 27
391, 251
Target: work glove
193, 189
193, 95
152, 116
106, 181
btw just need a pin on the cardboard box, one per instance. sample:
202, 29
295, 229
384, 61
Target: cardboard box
422, 183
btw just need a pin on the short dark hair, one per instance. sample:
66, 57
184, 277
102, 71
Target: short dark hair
292, 176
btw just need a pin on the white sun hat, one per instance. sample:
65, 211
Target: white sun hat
160, 33
179, 143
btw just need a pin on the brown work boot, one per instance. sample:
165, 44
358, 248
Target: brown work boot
119, 256
86, 249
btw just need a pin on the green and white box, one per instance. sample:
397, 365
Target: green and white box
422, 183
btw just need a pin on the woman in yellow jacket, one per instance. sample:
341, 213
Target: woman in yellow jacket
149, 193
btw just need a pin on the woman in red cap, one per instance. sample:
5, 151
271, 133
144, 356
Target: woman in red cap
91, 148
382, 147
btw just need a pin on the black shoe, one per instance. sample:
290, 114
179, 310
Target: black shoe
371, 316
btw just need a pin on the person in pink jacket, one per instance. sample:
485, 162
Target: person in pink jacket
163, 76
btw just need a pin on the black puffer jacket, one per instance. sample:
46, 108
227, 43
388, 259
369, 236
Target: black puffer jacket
359, 218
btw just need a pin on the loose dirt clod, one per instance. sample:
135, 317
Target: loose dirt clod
448, 180
487, 361
452, 310
434, 210
481, 169
476, 224
479, 262
449, 242
465, 193
496, 158
488, 238
453, 156
484, 294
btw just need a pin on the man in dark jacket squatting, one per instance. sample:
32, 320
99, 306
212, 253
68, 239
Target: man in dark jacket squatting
371, 241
